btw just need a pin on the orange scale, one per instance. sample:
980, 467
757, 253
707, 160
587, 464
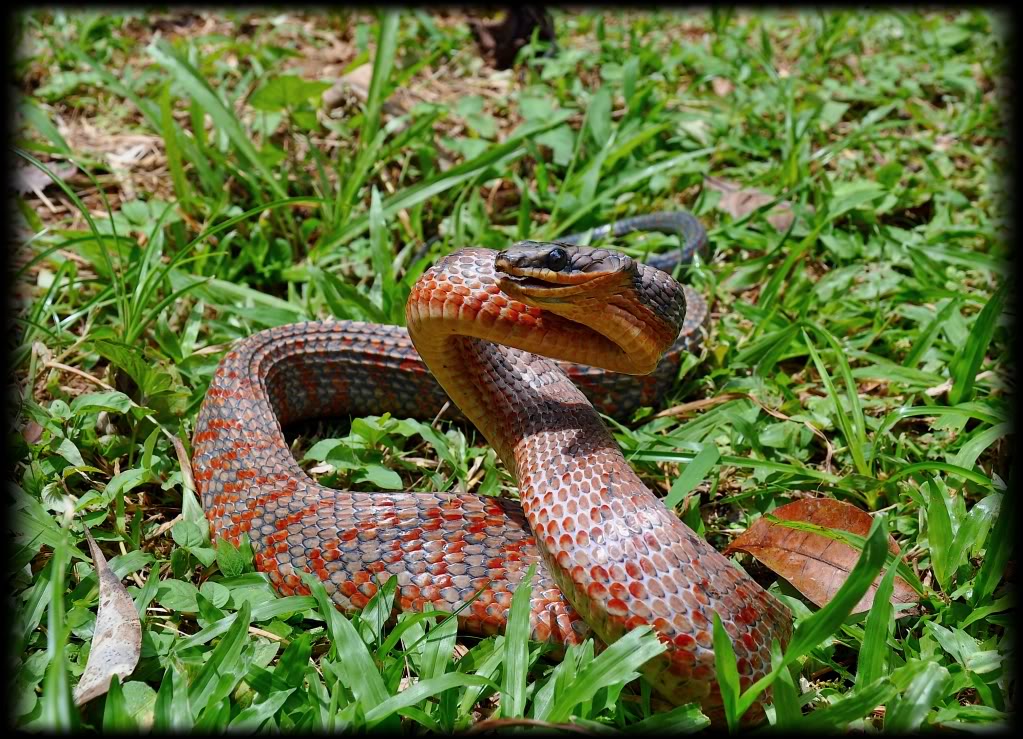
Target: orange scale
617, 608
541, 631
348, 588
634, 621
685, 642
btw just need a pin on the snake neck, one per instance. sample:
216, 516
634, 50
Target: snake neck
480, 345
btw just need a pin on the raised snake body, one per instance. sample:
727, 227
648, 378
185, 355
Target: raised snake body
609, 555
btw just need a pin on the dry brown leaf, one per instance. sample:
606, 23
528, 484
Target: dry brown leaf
698, 405
354, 86
813, 563
739, 202
117, 638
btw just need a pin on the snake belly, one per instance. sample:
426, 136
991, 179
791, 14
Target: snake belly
609, 555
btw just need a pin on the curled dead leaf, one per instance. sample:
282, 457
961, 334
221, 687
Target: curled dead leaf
117, 638
815, 564
739, 202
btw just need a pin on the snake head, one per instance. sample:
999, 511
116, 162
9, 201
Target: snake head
550, 270
638, 308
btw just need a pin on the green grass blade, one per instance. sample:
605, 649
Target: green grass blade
966, 363
930, 332
222, 661
173, 148
967, 410
852, 707
383, 63
999, 548
852, 424
437, 648
377, 611
787, 712
421, 691
620, 662
778, 277
354, 660
116, 717
967, 455
226, 120
686, 719
516, 650
907, 712
38, 118
253, 717
951, 469
58, 709
411, 196
692, 475
727, 674
873, 656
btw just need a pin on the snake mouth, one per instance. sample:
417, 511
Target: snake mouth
539, 286
527, 281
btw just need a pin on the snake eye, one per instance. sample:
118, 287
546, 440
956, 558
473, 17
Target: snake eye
557, 259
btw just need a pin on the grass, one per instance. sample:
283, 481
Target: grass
860, 353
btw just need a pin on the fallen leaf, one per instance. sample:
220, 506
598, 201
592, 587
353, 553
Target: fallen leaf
739, 202
354, 87
32, 432
29, 178
117, 639
722, 86
815, 564
698, 405
126, 158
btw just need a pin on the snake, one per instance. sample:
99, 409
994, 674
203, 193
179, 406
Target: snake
532, 344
